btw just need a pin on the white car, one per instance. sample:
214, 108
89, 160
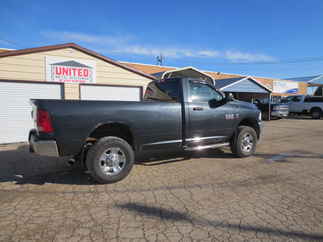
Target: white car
309, 105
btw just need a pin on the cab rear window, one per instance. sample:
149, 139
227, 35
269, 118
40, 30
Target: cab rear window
313, 99
165, 91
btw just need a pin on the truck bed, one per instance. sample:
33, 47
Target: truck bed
74, 120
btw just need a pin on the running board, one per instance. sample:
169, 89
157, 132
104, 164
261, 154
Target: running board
203, 147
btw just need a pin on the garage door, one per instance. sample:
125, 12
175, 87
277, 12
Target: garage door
15, 108
118, 93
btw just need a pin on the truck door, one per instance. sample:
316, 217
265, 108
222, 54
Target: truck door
296, 105
208, 121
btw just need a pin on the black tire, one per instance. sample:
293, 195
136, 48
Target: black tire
316, 113
237, 141
95, 164
265, 116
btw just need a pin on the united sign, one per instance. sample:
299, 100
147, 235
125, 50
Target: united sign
70, 71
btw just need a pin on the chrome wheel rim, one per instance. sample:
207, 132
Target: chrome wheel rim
112, 161
247, 142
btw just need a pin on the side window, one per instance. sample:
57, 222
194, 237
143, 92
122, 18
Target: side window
167, 91
200, 92
319, 91
296, 99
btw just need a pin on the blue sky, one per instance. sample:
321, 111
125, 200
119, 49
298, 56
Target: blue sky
253, 37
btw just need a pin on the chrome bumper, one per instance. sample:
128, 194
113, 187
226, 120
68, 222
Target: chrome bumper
43, 147
261, 128
279, 113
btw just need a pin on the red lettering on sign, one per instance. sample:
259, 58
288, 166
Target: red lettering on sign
79, 72
57, 70
85, 72
73, 71
65, 71
71, 74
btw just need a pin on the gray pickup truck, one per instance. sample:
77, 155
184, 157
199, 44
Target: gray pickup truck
176, 114
306, 105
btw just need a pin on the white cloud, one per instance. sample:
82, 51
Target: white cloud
209, 53
168, 52
140, 50
237, 56
86, 38
124, 45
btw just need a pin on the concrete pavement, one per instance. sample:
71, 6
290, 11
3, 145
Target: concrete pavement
276, 195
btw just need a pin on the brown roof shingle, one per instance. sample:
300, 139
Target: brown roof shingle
149, 69
4, 50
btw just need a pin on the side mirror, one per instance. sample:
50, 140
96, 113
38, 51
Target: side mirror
229, 97
213, 103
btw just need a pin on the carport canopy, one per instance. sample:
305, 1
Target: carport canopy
241, 85
185, 72
245, 88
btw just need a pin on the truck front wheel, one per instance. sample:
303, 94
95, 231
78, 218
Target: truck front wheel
245, 141
110, 159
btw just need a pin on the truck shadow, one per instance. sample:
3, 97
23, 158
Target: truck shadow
20, 167
16, 164
176, 216
289, 156
299, 117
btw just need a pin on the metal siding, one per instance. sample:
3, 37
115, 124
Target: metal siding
245, 86
220, 83
89, 92
32, 67
15, 108
302, 79
317, 81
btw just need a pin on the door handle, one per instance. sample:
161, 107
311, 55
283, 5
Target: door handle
197, 108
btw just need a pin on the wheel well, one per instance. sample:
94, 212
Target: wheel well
251, 123
316, 108
114, 129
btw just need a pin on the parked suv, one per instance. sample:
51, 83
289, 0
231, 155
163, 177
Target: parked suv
308, 105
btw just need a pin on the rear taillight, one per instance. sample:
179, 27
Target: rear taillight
44, 124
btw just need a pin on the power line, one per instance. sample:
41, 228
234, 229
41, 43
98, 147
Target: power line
2, 40
286, 61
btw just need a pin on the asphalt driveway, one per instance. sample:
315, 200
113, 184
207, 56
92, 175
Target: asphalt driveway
275, 195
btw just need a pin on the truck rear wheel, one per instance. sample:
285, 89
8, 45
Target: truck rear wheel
245, 141
110, 159
316, 113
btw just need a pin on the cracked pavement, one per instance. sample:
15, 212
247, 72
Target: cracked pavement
276, 195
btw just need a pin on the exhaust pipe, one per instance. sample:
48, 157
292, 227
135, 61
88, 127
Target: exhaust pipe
71, 162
